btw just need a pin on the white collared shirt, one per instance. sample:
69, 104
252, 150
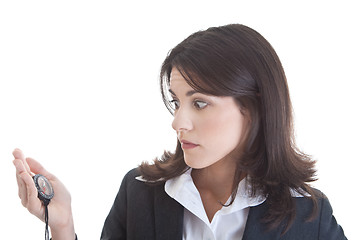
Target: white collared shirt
227, 223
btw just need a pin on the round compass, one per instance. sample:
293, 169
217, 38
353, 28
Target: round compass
45, 190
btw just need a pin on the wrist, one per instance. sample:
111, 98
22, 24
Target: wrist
64, 232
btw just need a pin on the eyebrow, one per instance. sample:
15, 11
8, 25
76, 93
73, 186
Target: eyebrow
188, 94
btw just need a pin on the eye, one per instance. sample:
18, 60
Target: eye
200, 104
175, 104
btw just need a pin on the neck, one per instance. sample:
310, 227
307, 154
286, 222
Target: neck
215, 185
216, 179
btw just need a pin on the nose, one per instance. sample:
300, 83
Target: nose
182, 121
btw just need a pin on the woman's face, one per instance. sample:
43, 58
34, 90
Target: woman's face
208, 127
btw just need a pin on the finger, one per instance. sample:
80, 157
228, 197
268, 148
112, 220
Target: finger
22, 190
23, 195
18, 154
37, 168
19, 165
33, 204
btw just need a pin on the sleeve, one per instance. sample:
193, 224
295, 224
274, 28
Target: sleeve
329, 229
115, 223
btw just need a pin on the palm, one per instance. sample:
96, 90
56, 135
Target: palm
60, 205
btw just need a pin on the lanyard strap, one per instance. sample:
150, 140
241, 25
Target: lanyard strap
46, 221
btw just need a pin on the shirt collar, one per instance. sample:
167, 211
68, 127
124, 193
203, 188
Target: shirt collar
183, 190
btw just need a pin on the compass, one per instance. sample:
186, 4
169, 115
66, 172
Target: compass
45, 194
45, 190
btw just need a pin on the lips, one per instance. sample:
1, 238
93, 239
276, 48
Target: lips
188, 145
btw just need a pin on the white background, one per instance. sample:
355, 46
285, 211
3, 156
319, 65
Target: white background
79, 92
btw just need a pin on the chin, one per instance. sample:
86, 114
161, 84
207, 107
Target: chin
195, 164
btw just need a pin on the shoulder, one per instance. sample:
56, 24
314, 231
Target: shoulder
323, 224
135, 199
328, 226
133, 184
136, 209
306, 205
138, 191
144, 200
132, 174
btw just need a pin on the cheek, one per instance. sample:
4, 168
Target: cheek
218, 136
222, 132
224, 126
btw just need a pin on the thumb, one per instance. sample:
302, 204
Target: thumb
37, 168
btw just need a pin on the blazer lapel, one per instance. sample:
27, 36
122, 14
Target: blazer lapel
169, 216
255, 229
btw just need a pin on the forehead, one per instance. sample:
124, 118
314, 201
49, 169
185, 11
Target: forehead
175, 74
176, 78
189, 82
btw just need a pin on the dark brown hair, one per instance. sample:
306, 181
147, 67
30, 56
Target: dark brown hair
235, 60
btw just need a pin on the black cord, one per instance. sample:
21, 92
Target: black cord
46, 223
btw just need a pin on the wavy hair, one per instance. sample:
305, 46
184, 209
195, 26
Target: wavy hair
235, 60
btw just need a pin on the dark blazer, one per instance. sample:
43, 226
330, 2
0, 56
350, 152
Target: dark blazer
143, 211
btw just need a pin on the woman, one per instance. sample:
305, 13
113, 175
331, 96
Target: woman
236, 172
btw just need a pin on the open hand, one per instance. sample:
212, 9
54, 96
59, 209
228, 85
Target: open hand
60, 214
